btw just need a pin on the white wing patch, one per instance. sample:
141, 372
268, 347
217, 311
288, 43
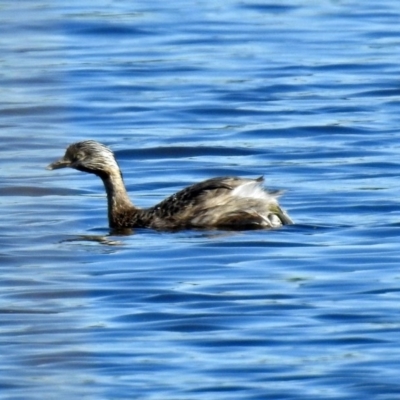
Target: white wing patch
254, 190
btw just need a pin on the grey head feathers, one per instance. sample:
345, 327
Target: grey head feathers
88, 156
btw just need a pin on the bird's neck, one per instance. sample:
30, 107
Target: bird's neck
118, 200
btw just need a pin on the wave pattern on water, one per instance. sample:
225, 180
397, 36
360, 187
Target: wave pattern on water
305, 94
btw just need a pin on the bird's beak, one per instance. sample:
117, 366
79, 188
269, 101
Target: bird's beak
61, 163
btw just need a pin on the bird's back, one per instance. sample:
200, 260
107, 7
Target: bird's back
228, 202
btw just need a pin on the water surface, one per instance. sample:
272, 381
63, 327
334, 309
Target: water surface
305, 94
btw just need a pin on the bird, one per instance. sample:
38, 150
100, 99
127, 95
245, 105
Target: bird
229, 203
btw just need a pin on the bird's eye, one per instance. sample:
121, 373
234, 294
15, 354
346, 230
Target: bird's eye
77, 157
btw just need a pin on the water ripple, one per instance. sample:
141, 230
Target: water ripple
304, 94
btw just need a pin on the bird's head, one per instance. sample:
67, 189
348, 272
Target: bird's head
88, 156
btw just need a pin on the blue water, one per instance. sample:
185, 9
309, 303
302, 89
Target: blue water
306, 94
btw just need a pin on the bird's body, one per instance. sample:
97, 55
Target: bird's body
227, 202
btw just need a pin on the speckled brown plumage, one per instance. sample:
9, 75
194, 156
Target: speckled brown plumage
227, 202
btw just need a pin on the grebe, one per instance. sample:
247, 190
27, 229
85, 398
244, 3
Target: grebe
225, 203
